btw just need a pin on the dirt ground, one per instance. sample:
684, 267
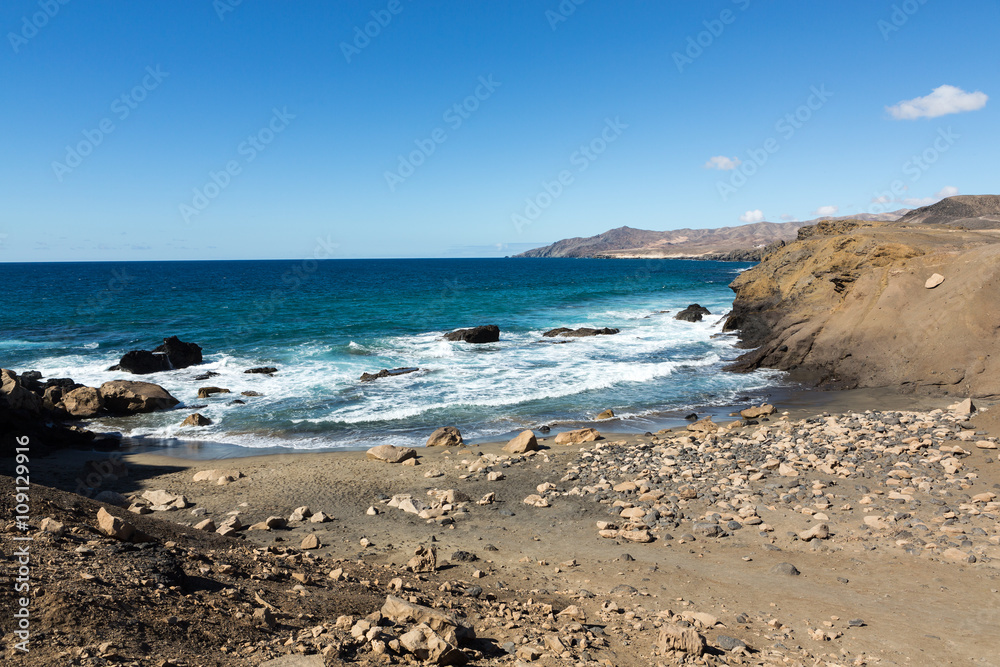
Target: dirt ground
189, 598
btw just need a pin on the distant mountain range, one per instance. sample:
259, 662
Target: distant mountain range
966, 211
744, 242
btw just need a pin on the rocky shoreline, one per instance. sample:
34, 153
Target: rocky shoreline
794, 540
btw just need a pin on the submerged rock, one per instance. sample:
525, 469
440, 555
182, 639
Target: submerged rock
579, 333
385, 373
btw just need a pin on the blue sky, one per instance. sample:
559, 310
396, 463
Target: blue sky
265, 129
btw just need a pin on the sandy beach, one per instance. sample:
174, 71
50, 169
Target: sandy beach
857, 532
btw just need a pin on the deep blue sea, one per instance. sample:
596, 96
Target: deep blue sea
325, 323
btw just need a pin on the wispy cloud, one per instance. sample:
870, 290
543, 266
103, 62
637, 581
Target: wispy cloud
823, 211
917, 202
723, 163
752, 216
942, 101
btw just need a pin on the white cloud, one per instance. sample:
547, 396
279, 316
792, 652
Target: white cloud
722, 163
917, 202
826, 210
752, 216
943, 100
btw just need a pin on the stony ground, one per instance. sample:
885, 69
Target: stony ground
859, 538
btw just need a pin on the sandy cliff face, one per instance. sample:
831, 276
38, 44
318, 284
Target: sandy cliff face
848, 308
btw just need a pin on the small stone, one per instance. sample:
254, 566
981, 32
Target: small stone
206, 525
52, 526
818, 532
310, 542
934, 281
786, 569
676, 638
727, 643
577, 437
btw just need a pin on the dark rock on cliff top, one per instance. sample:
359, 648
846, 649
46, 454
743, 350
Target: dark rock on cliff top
488, 333
579, 333
173, 354
692, 313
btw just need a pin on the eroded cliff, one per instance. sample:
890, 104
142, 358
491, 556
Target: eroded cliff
848, 307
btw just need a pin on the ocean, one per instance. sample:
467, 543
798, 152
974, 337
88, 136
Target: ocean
323, 324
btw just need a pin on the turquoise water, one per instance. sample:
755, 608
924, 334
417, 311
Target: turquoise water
325, 323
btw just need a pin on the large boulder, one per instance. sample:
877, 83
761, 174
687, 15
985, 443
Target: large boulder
171, 355
180, 354
141, 362
757, 412
403, 612
82, 402
15, 395
692, 313
579, 333
390, 453
126, 397
446, 436
524, 442
488, 333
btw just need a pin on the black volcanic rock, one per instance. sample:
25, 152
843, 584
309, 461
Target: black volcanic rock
692, 313
179, 353
266, 370
488, 333
579, 333
385, 373
173, 354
